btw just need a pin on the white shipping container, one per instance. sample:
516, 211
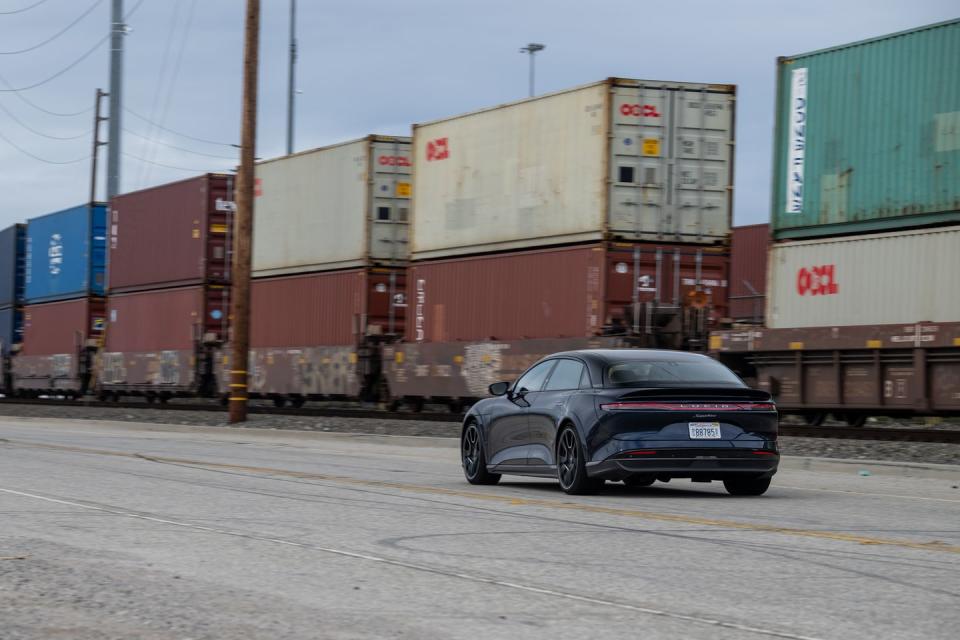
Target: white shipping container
336, 207
884, 278
630, 159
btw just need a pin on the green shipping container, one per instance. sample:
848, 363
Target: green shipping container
868, 135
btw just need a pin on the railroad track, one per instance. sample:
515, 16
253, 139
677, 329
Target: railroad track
890, 434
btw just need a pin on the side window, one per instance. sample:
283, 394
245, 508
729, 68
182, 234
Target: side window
565, 376
533, 380
585, 379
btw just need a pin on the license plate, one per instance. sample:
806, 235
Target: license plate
704, 430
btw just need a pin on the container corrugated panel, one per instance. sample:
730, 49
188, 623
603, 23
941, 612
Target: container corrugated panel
327, 308
887, 278
868, 135
748, 271
564, 292
11, 329
164, 319
66, 254
12, 264
628, 159
171, 235
336, 207
61, 327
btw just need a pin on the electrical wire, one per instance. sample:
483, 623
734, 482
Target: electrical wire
183, 149
166, 166
33, 6
40, 133
83, 15
73, 64
36, 106
40, 158
182, 135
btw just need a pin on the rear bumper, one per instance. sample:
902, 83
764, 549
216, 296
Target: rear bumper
678, 464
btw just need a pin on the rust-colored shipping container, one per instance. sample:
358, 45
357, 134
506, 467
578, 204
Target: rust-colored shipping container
312, 334
850, 371
567, 292
749, 246
59, 340
172, 235
163, 341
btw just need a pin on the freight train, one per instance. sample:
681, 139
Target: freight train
407, 270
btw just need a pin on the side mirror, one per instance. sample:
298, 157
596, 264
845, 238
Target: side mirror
498, 388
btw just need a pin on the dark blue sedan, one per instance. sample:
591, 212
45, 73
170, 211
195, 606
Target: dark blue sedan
633, 415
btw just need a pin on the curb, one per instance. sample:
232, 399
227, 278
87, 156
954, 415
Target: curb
874, 467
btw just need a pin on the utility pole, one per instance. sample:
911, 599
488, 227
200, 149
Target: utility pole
291, 89
97, 119
117, 31
243, 221
532, 49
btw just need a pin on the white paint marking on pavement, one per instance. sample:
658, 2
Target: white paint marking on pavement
424, 568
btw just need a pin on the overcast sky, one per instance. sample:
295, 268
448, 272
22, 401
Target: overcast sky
375, 66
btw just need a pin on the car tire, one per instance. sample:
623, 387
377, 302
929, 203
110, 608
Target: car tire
571, 465
747, 486
473, 457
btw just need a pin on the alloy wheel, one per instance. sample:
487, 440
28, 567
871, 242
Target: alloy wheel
567, 454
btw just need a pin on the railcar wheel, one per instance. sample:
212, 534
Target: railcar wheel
474, 459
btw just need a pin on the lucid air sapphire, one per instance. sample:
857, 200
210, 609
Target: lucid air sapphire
632, 415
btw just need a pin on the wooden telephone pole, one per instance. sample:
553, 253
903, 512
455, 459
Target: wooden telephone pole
243, 221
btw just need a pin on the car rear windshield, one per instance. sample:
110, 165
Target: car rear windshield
669, 373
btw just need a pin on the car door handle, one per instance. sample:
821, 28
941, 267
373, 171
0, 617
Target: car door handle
559, 404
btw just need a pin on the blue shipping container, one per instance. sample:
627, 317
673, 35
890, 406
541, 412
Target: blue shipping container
12, 261
11, 328
66, 254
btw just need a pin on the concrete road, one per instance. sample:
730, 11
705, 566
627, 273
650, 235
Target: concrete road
128, 531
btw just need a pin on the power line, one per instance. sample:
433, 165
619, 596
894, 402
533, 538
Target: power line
43, 109
33, 6
182, 135
166, 166
39, 158
83, 15
73, 64
40, 133
173, 146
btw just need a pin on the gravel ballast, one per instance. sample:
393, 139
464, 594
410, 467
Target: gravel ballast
916, 452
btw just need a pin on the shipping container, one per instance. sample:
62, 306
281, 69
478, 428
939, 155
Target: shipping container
749, 246
567, 292
66, 254
318, 334
59, 343
868, 135
336, 207
628, 159
13, 245
11, 329
887, 278
164, 341
172, 235
850, 371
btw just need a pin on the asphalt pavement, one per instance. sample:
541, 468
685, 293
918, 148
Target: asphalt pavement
146, 531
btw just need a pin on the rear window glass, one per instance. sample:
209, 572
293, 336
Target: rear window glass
667, 373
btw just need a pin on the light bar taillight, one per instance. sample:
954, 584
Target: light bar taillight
688, 406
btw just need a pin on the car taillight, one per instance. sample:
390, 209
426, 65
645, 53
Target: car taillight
688, 406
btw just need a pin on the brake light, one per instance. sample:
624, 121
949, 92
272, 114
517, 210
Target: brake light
688, 406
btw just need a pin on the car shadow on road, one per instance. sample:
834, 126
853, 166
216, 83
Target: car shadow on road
617, 490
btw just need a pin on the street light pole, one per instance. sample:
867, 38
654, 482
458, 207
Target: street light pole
532, 49
291, 89
243, 221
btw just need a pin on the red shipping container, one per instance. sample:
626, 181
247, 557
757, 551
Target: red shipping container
576, 291
61, 327
749, 247
328, 308
171, 235
166, 319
